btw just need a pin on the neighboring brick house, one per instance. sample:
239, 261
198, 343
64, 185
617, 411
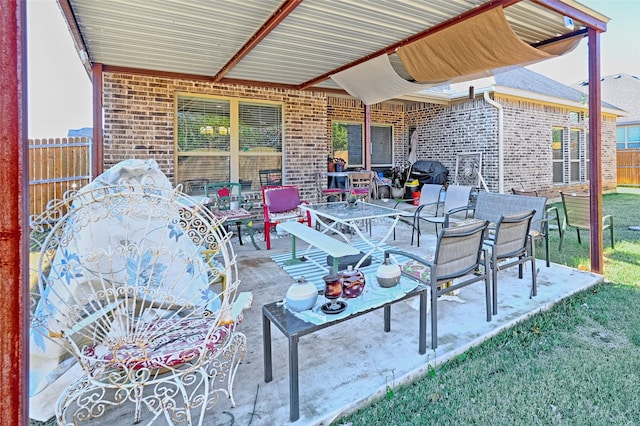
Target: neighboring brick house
545, 132
623, 91
141, 119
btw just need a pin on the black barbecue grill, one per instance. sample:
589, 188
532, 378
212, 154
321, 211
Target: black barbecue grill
429, 171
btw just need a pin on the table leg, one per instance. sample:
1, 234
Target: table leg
332, 227
294, 396
249, 225
374, 246
266, 347
239, 233
387, 318
422, 337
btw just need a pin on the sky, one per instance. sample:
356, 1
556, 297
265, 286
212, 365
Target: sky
60, 90
619, 45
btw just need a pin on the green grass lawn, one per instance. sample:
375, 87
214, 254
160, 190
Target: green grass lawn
576, 364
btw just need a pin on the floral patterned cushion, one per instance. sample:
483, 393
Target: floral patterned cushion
417, 269
179, 342
284, 216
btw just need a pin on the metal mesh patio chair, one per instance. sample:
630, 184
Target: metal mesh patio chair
455, 202
577, 215
509, 245
429, 206
270, 177
551, 215
459, 257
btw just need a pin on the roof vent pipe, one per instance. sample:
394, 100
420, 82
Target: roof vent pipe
496, 105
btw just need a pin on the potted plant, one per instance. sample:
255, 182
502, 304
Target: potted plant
331, 165
398, 179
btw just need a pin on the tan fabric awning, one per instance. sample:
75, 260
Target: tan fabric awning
482, 43
375, 80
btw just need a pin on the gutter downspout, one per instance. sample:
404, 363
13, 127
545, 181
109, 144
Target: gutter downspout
496, 105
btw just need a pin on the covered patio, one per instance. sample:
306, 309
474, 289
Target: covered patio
347, 366
290, 46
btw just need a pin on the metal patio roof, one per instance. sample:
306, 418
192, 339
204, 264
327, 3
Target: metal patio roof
291, 43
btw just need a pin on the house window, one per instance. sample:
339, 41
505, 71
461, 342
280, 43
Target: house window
222, 139
557, 156
381, 145
628, 137
574, 117
587, 156
621, 137
633, 137
574, 155
348, 143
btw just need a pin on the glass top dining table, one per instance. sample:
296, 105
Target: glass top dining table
331, 215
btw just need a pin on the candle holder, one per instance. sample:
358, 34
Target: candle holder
332, 291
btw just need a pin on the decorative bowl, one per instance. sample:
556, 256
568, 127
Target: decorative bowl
388, 274
353, 283
302, 295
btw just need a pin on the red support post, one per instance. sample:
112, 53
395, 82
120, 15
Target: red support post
595, 151
14, 230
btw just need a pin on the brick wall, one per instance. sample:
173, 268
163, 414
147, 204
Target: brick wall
527, 138
447, 130
139, 122
471, 126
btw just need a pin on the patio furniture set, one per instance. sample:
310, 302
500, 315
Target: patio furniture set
139, 283
472, 250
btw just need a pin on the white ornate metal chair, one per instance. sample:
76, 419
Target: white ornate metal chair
132, 291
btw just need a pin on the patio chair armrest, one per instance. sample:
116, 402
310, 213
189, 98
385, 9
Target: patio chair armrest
552, 212
402, 200
420, 259
422, 206
468, 207
471, 206
607, 218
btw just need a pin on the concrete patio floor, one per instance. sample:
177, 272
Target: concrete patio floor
349, 365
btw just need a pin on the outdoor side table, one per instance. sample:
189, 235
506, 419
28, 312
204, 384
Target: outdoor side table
237, 216
293, 328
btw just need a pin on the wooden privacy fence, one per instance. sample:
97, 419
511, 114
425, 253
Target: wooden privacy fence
628, 166
55, 166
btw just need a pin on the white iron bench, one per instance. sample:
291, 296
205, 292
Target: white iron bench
324, 242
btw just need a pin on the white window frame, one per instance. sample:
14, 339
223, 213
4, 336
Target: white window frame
575, 162
561, 160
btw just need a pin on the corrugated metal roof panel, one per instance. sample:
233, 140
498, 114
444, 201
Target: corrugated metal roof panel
318, 36
322, 36
196, 37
